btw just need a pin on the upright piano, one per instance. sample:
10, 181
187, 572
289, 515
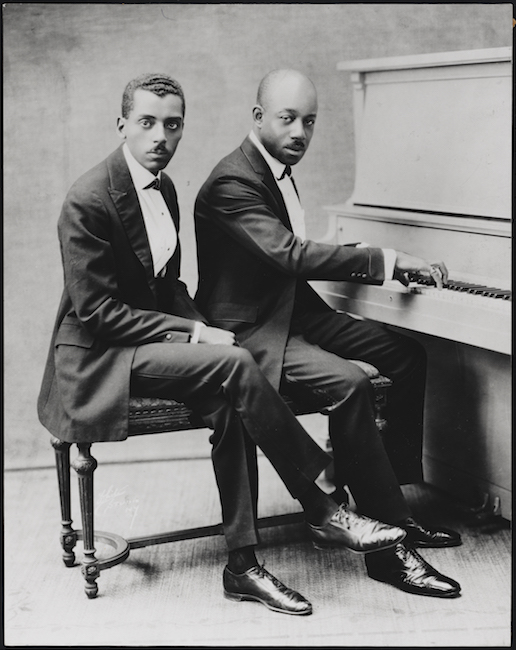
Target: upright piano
433, 146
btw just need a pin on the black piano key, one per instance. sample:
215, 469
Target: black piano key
455, 285
489, 291
481, 290
472, 288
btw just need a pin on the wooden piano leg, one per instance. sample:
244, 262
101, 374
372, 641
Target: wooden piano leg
85, 465
68, 534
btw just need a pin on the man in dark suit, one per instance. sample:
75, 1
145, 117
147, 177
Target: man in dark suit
126, 325
254, 264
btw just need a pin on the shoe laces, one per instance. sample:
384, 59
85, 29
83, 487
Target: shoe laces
346, 517
264, 573
412, 559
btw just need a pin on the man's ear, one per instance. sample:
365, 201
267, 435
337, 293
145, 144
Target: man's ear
258, 115
120, 127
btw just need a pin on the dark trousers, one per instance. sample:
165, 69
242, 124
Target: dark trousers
316, 366
225, 385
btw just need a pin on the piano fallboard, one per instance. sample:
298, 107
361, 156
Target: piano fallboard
476, 320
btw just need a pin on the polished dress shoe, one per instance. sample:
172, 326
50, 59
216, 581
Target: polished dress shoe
355, 532
404, 568
426, 537
258, 584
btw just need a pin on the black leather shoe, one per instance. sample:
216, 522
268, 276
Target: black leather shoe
355, 532
258, 584
404, 568
425, 537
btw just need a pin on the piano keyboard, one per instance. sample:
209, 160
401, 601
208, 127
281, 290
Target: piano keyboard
463, 311
468, 288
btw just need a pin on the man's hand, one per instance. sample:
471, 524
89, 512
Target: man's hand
216, 336
407, 264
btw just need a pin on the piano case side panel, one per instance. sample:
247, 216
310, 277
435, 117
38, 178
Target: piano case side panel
467, 449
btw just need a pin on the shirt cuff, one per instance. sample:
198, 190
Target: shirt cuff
197, 332
389, 260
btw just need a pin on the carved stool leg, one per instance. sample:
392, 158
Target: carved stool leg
68, 534
85, 465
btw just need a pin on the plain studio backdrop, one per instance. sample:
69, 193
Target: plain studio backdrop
65, 68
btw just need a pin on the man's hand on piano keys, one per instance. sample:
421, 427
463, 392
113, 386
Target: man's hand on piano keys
408, 265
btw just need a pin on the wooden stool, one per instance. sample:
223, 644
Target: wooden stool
146, 416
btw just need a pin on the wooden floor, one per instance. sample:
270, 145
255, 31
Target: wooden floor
171, 594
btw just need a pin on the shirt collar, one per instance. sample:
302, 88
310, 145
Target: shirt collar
141, 177
277, 167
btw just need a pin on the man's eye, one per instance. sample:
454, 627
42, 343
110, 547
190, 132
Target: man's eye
145, 123
310, 122
286, 118
173, 126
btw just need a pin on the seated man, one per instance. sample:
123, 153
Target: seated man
126, 325
254, 263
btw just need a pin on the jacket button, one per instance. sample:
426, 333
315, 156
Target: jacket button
168, 336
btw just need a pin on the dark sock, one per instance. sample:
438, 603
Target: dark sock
319, 507
242, 559
405, 521
340, 495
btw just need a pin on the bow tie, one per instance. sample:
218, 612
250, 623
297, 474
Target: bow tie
286, 172
155, 185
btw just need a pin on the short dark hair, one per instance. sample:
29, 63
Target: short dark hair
157, 83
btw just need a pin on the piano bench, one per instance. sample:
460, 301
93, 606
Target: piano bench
146, 416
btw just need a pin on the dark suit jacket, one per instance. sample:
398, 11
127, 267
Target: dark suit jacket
111, 304
253, 271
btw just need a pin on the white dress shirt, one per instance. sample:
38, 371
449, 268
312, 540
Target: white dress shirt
295, 211
161, 231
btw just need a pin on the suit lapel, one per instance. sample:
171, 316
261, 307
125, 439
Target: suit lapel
169, 194
263, 170
124, 196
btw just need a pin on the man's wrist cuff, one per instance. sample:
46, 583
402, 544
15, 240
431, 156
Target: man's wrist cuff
194, 338
389, 256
